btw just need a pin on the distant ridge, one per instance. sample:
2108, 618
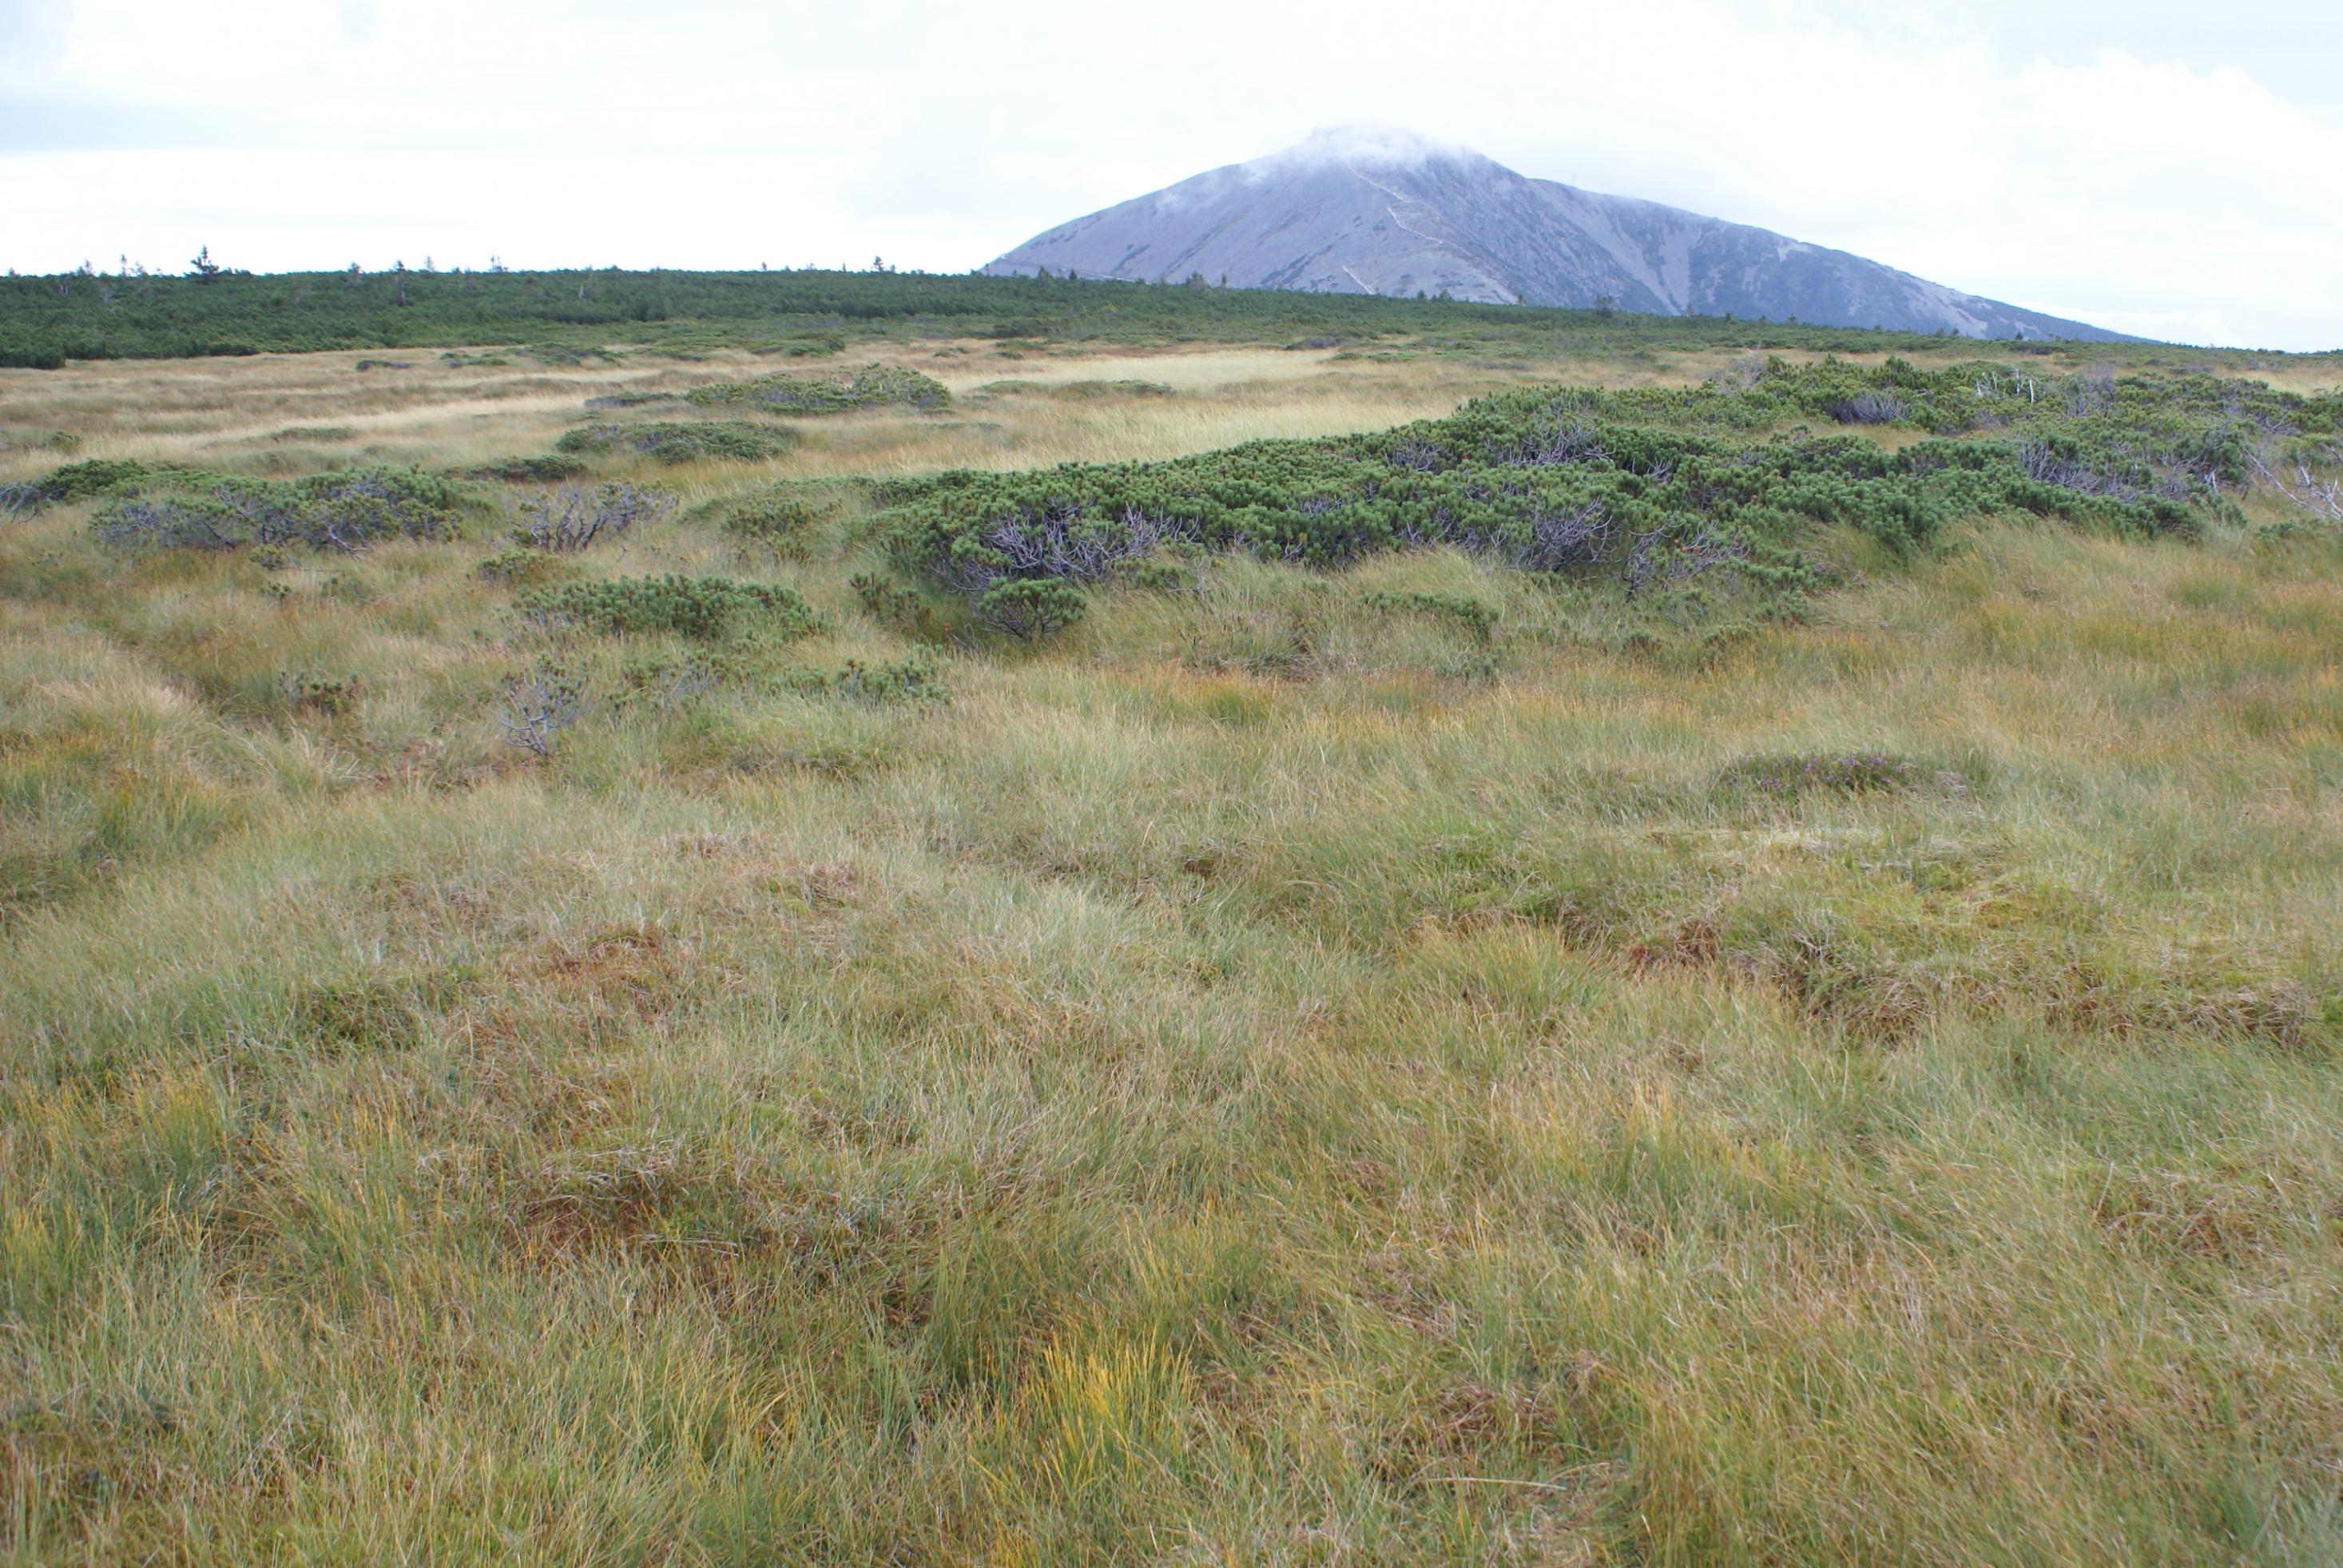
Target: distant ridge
1392, 213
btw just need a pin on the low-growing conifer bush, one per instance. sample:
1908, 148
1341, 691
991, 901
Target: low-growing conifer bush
727, 440
775, 523
913, 679
667, 685
575, 516
1651, 487
522, 567
565, 355
78, 481
540, 470
345, 511
706, 607
1031, 609
1469, 616
890, 604
1871, 407
874, 386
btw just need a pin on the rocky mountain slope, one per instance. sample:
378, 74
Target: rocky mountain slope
1392, 214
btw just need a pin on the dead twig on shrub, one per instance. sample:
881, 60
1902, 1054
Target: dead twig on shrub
538, 707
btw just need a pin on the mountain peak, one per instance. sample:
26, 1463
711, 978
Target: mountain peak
1380, 209
1377, 144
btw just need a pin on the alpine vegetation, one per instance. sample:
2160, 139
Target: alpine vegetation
1651, 487
571, 518
873, 387
713, 440
1483, 936
706, 607
159, 509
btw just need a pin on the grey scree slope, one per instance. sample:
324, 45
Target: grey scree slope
1387, 213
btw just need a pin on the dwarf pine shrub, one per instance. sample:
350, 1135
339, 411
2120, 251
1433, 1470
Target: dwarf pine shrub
874, 386
890, 604
913, 679
706, 608
540, 470
1031, 609
1649, 485
98, 476
522, 567
669, 685
575, 516
1469, 616
345, 511
727, 440
775, 523
1871, 407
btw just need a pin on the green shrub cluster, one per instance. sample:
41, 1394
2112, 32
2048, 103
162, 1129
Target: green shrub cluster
43, 321
912, 680
871, 386
541, 470
566, 356
1654, 484
668, 685
706, 608
568, 518
522, 567
1031, 609
343, 511
98, 476
817, 345
728, 440
1469, 616
777, 523
890, 604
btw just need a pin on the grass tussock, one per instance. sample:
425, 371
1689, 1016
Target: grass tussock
1418, 1062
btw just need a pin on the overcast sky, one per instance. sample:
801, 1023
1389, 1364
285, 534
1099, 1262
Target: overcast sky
2165, 168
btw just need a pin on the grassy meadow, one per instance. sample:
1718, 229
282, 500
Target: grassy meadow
1418, 1062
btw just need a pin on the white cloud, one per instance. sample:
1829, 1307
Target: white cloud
2132, 163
